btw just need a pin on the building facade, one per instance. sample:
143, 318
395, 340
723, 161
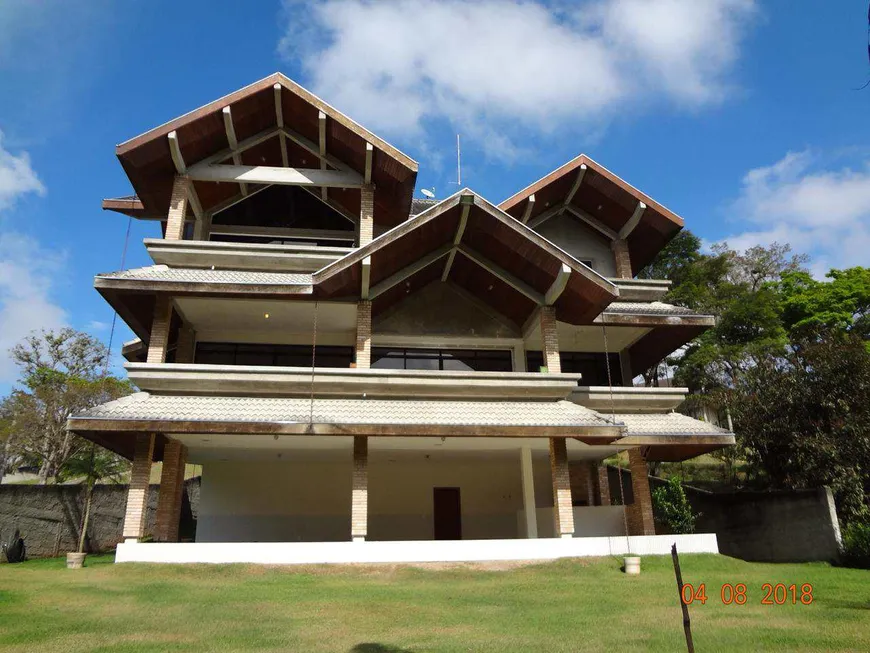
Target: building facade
367, 376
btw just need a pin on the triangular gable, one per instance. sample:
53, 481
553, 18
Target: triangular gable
467, 240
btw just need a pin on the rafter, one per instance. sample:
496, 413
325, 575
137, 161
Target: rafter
313, 148
595, 223
335, 206
235, 199
552, 212
321, 131
181, 169
558, 286
504, 275
457, 238
529, 206
230, 129
633, 221
275, 175
366, 275
579, 180
279, 121
408, 271
370, 151
243, 146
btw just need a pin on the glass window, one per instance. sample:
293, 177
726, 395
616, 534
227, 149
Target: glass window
221, 353
592, 366
480, 360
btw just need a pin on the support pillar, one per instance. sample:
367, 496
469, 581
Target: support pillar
529, 506
178, 202
171, 492
625, 368
160, 330
621, 258
184, 351
563, 509
366, 214
602, 485
137, 493
550, 339
364, 335
360, 500
580, 473
640, 515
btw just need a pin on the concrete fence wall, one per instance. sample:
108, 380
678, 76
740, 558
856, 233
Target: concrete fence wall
49, 517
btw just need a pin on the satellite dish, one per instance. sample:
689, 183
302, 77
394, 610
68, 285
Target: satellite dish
428, 193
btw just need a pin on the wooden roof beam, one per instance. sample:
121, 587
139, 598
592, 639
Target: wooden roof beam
273, 175
279, 121
366, 274
409, 270
633, 221
552, 212
558, 286
234, 142
321, 137
579, 180
596, 224
181, 169
457, 238
504, 275
529, 206
313, 148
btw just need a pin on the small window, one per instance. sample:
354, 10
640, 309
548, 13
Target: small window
587, 262
452, 360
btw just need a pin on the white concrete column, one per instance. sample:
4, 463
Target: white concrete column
529, 506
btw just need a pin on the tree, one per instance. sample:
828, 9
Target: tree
804, 420
672, 508
63, 373
7, 439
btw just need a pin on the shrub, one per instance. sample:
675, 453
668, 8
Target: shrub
856, 545
672, 509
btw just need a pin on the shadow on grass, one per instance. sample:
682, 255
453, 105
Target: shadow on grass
371, 647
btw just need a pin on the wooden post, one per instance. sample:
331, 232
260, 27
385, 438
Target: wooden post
687, 624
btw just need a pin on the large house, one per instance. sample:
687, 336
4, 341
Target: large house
367, 376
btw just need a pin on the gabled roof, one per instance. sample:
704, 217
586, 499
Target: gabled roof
255, 111
592, 193
466, 240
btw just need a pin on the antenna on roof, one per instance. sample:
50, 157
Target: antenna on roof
428, 194
458, 181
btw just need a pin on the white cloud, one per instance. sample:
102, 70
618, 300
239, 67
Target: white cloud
495, 67
17, 177
822, 212
27, 274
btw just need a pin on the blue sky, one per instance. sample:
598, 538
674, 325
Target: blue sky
740, 115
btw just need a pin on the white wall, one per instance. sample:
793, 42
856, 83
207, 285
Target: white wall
581, 242
309, 499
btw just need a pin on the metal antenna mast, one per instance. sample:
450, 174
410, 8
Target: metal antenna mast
458, 164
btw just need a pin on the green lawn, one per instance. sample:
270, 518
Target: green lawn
569, 605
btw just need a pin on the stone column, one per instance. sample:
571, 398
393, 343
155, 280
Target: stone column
366, 214
563, 510
622, 259
171, 491
160, 330
602, 485
178, 203
640, 515
137, 493
529, 506
550, 339
359, 515
364, 334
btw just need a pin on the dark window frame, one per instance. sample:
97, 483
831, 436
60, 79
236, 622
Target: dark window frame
333, 356
501, 360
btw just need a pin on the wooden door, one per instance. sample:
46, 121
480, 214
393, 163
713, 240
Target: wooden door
447, 513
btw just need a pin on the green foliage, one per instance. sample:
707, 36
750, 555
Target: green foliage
803, 419
671, 507
856, 545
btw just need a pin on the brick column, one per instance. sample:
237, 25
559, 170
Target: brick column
137, 493
178, 202
186, 344
171, 489
364, 334
366, 214
563, 511
640, 515
622, 259
160, 330
550, 339
359, 516
602, 485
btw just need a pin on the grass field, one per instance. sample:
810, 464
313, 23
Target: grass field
569, 605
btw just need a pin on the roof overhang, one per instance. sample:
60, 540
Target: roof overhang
591, 193
467, 241
271, 123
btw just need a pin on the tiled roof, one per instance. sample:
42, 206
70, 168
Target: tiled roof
419, 204
145, 406
196, 275
648, 308
667, 424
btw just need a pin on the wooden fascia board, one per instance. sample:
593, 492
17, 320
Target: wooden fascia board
723, 439
647, 320
87, 424
200, 288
